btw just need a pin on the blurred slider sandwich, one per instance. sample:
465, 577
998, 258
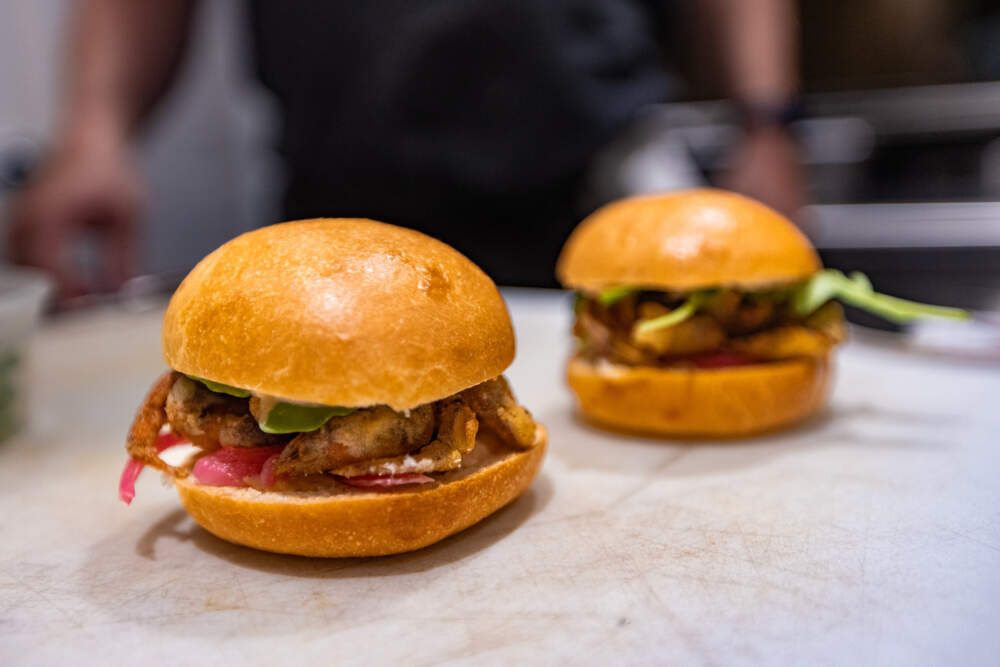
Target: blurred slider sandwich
706, 313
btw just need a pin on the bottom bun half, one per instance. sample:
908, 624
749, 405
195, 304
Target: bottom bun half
722, 402
324, 518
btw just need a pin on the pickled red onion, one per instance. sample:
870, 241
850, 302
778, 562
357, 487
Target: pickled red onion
231, 466
132, 469
265, 479
169, 439
721, 360
126, 485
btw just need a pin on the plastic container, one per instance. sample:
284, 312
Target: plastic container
23, 293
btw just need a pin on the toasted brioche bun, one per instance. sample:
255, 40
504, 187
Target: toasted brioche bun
339, 312
324, 518
722, 402
685, 240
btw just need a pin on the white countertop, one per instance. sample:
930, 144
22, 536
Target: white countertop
870, 536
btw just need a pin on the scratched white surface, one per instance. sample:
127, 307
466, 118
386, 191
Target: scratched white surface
871, 536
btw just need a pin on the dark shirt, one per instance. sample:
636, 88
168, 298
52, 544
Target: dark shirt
471, 120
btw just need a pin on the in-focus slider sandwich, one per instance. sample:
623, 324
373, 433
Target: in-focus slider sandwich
338, 383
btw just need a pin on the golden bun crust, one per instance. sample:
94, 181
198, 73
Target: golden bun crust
723, 402
347, 522
685, 240
339, 312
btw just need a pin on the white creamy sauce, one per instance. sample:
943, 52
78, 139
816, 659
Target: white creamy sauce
409, 464
608, 368
179, 455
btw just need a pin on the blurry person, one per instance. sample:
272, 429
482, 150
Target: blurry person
473, 121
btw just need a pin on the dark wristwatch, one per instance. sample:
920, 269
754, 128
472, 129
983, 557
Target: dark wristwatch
754, 116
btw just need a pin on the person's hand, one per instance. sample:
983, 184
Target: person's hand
766, 165
89, 185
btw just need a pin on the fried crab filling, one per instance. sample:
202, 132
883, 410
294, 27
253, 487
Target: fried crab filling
718, 327
702, 330
238, 443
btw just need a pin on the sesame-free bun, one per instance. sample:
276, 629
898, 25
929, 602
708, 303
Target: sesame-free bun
324, 518
685, 240
718, 402
339, 312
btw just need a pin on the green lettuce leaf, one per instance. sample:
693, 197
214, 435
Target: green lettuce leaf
220, 388
612, 295
690, 306
283, 417
856, 290
295, 418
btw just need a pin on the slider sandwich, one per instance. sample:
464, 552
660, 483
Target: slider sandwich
706, 313
336, 389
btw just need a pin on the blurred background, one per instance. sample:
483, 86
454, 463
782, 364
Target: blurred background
896, 117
